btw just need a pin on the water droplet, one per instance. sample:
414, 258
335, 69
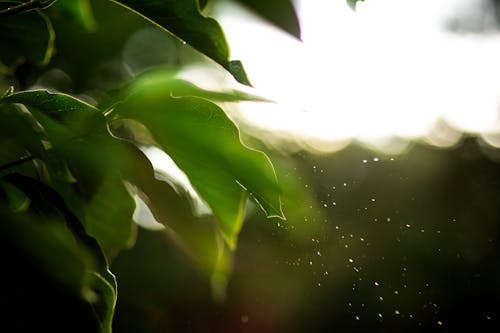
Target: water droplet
396, 292
376, 283
380, 315
325, 205
318, 253
326, 272
310, 263
365, 161
351, 261
396, 312
334, 203
319, 284
380, 298
440, 323
388, 219
373, 199
408, 225
376, 159
345, 184
357, 318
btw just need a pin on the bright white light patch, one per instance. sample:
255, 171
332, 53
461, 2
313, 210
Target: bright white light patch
391, 69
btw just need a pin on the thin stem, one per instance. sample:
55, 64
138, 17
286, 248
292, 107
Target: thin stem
25, 6
18, 162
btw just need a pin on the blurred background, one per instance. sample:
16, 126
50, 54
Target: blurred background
386, 136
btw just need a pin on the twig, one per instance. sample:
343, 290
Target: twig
25, 6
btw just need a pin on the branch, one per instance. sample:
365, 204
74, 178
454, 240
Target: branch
25, 6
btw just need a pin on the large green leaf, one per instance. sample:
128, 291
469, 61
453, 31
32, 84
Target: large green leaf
205, 144
25, 36
279, 12
184, 20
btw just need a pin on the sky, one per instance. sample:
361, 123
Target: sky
394, 70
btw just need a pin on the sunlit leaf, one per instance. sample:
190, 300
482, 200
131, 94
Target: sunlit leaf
26, 36
279, 12
184, 20
205, 144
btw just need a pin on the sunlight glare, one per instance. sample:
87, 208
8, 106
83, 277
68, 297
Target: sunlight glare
390, 69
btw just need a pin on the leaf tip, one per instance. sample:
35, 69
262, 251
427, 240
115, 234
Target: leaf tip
235, 67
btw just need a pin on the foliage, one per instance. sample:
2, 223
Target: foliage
70, 171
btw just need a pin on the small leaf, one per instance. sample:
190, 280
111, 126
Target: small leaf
184, 20
205, 144
279, 12
28, 35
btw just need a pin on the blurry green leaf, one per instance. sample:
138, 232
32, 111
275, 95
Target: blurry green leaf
205, 144
279, 12
16, 199
24, 36
19, 135
79, 10
52, 246
48, 206
184, 20
352, 3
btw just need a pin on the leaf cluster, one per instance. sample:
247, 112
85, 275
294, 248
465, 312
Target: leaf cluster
71, 172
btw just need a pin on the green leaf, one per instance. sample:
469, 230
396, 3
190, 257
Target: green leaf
205, 144
279, 12
352, 3
24, 36
184, 20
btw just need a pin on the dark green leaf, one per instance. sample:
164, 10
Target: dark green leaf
205, 144
279, 12
184, 20
26, 36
